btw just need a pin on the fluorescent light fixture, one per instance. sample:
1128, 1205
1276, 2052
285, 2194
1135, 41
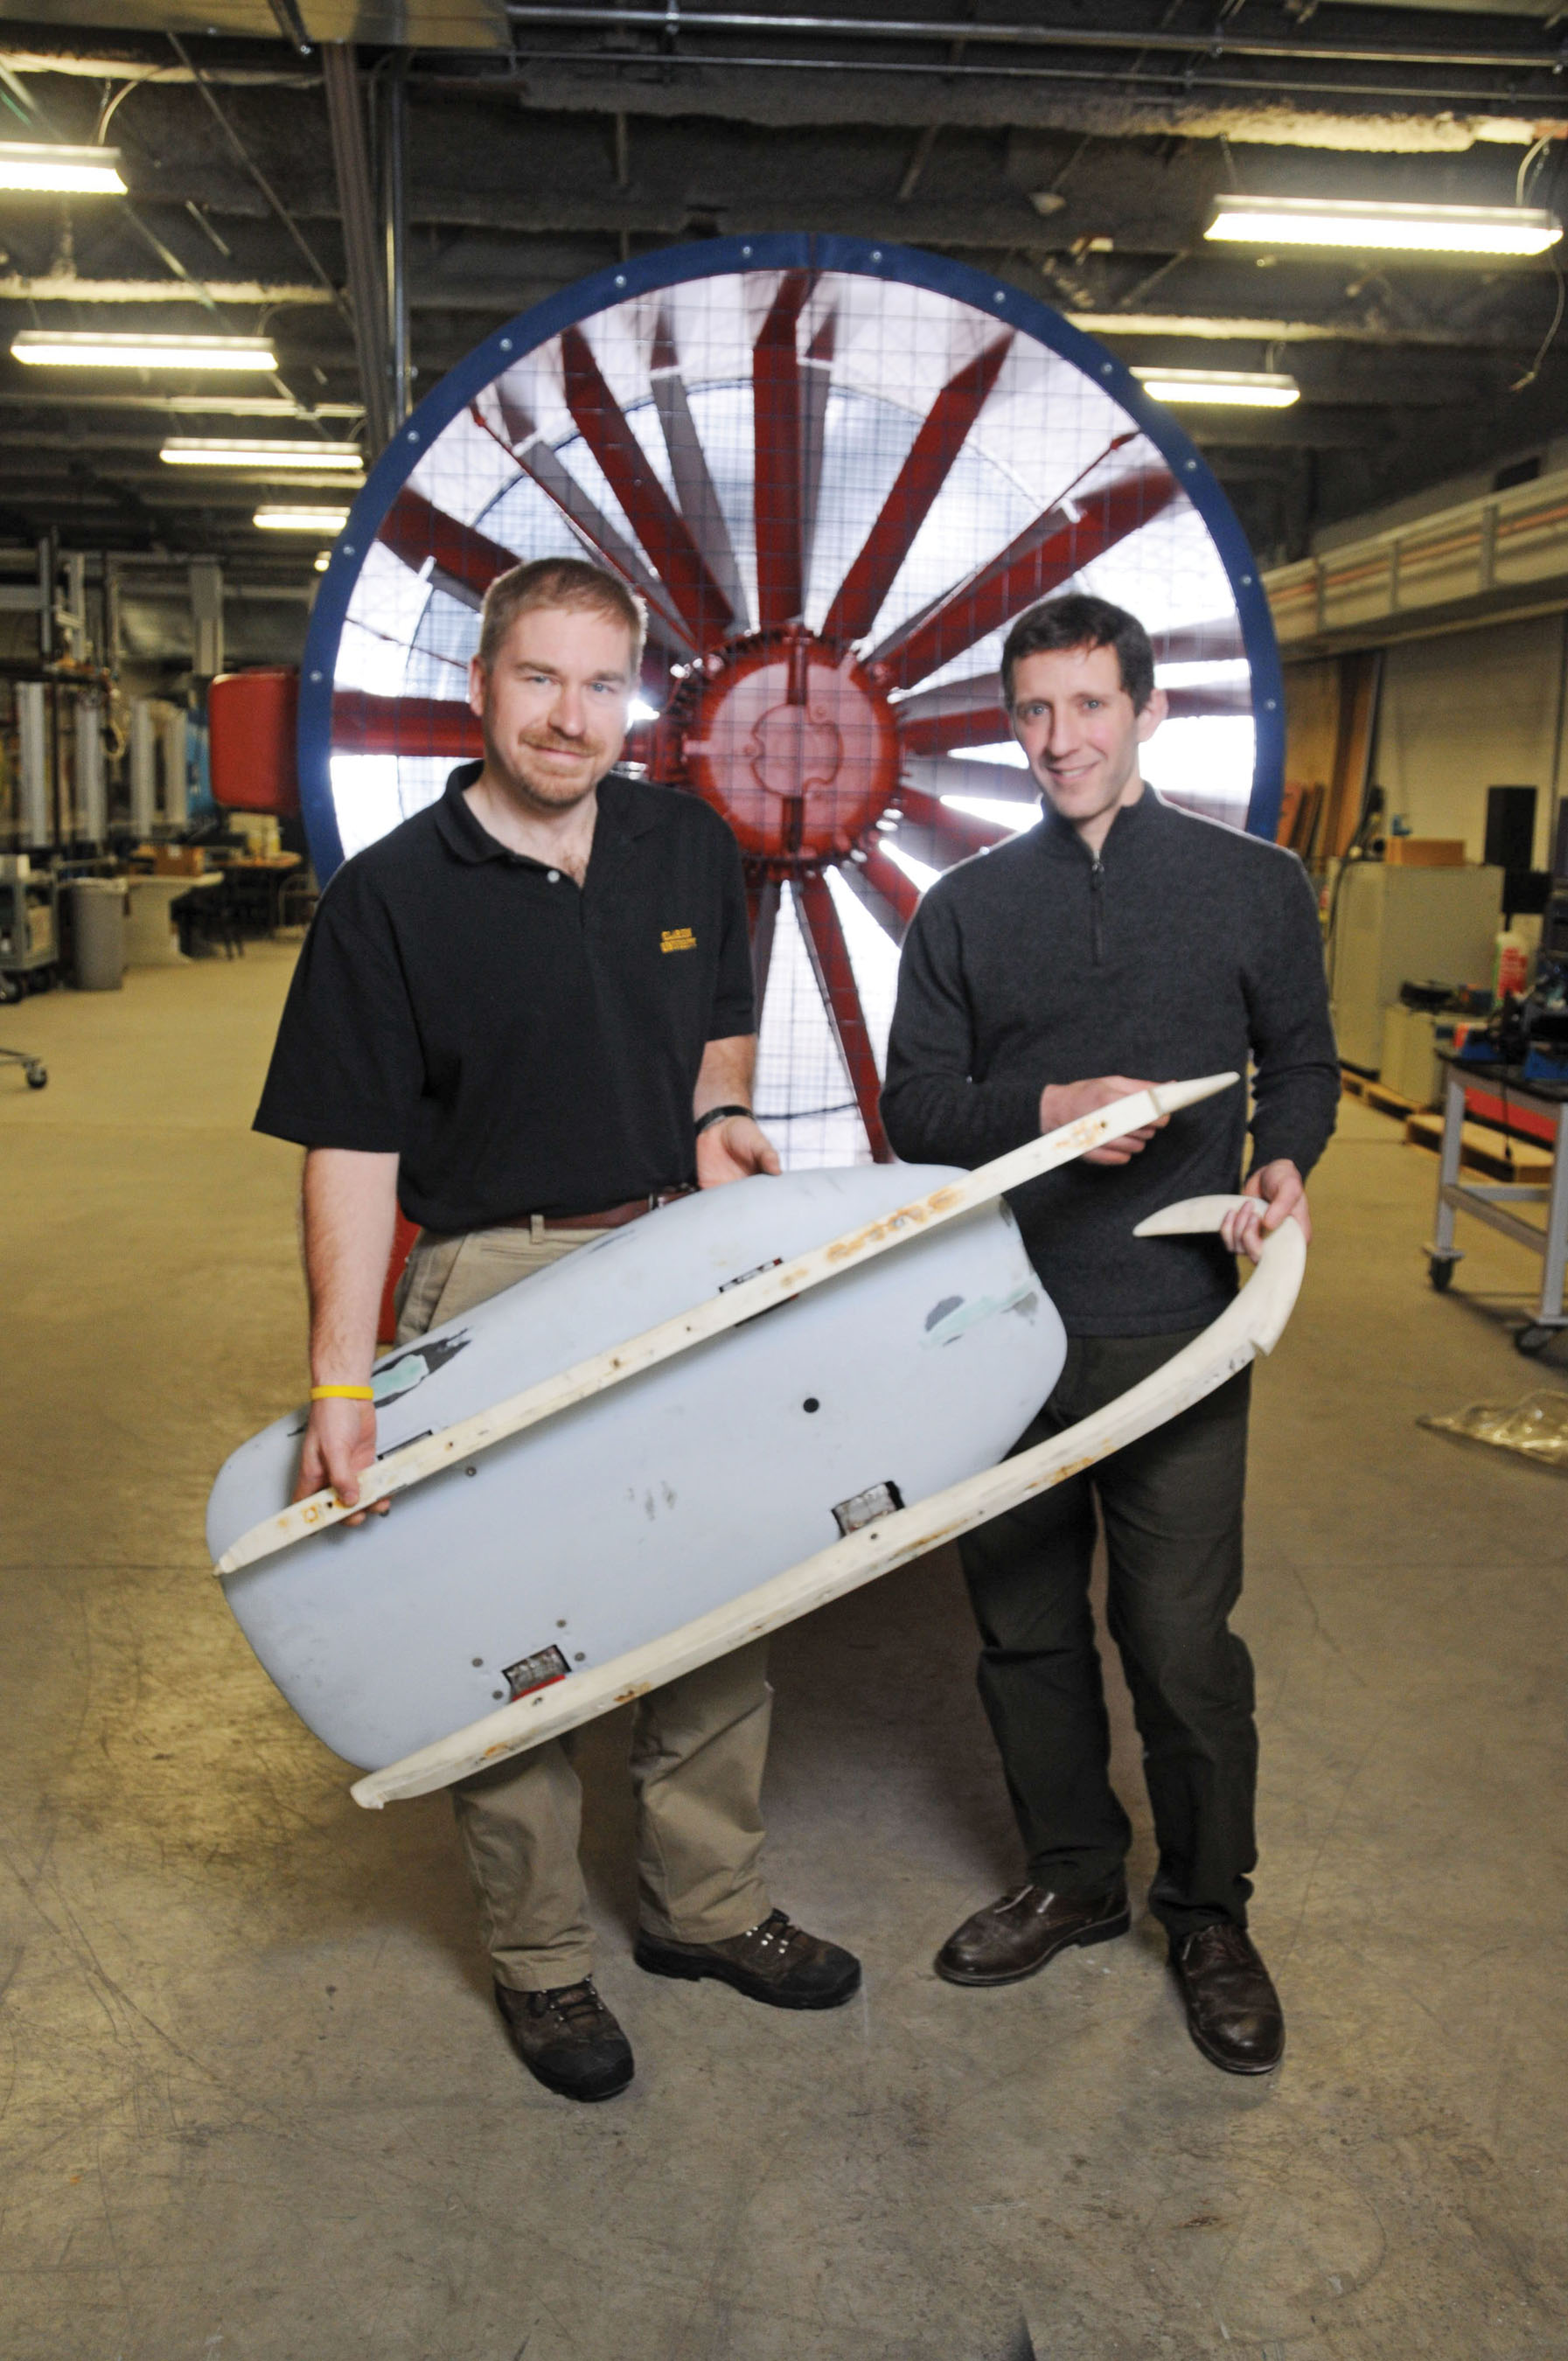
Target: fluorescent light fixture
72, 349
257, 451
69, 171
1413, 229
1233, 389
301, 519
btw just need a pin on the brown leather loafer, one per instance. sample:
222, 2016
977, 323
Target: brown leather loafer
1232, 2010
567, 2040
774, 1961
1015, 1938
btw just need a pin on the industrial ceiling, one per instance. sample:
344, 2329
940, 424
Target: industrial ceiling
1073, 151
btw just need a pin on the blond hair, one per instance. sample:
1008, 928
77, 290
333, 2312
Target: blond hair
558, 582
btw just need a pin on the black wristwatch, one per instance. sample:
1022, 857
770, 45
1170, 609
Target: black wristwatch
718, 1114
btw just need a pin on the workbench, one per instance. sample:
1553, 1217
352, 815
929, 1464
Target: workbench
1490, 1202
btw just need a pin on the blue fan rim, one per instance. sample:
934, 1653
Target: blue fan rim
676, 266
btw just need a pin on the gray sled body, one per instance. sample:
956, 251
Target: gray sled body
649, 1505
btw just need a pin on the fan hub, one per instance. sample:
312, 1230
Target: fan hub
792, 740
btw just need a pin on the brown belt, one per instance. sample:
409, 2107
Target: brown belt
612, 1217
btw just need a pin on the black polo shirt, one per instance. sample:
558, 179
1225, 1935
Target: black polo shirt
523, 1045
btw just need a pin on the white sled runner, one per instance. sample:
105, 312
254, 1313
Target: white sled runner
605, 1489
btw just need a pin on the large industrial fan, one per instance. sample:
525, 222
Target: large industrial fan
834, 472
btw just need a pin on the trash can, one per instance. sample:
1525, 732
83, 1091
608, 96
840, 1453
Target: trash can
98, 933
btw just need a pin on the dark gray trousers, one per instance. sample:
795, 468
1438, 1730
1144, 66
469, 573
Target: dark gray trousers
1172, 1511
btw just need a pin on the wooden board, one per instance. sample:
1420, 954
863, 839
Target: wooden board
1377, 1096
1496, 1153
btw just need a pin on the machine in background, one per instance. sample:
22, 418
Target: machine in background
1396, 923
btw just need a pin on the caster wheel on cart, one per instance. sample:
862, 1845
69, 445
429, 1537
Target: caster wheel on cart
10, 991
38, 1077
1440, 1270
1533, 1339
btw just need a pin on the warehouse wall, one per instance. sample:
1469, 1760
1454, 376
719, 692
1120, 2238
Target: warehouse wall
1312, 721
1468, 711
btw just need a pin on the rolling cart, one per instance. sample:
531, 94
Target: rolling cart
1489, 1202
29, 932
33, 1068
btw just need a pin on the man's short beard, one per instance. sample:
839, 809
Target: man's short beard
524, 789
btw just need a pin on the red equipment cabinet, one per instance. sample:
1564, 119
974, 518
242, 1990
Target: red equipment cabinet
251, 722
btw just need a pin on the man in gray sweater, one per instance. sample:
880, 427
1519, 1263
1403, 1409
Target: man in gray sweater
1119, 942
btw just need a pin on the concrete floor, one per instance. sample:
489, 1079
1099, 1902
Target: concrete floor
257, 2106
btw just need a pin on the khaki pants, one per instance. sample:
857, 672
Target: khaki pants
699, 1746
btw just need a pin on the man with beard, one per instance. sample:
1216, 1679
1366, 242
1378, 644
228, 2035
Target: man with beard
526, 1014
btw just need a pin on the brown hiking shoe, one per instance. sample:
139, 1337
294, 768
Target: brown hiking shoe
567, 2040
774, 1961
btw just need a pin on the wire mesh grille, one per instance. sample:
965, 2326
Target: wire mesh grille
835, 492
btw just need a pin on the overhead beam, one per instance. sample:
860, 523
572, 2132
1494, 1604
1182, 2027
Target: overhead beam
503, 299
70, 287
340, 76
99, 65
772, 91
179, 405
1284, 47
949, 90
1214, 328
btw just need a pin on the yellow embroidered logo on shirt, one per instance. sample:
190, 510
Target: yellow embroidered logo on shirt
677, 939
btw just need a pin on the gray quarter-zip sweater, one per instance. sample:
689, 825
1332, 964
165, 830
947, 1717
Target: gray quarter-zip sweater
1185, 949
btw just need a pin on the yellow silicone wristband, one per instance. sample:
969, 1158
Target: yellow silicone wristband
342, 1393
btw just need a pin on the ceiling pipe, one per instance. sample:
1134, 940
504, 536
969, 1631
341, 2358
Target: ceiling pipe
1546, 102
395, 207
340, 78
1207, 41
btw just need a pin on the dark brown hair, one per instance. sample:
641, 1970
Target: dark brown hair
1081, 621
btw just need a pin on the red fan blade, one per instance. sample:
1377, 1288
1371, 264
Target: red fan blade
854, 875
1212, 642
891, 882
630, 474
960, 713
971, 713
997, 783
701, 507
961, 833
815, 385
443, 726
1195, 704
829, 956
528, 449
776, 394
762, 910
466, 562
907, 505
1046, 555
1065, 507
